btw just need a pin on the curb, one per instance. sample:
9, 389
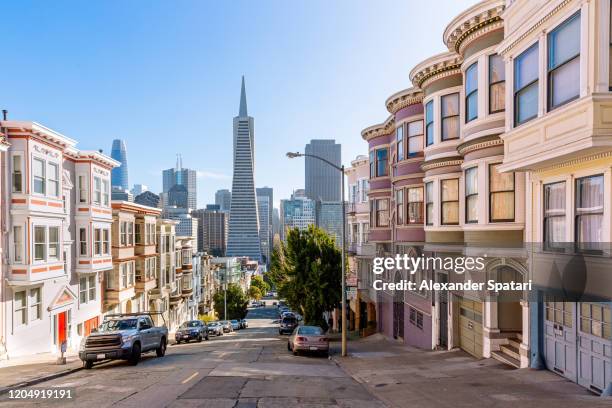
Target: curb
34, 381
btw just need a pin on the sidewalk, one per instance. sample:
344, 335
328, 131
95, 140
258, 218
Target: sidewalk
30, 370
402, 376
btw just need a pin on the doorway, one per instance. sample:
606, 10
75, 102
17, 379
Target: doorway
398, 311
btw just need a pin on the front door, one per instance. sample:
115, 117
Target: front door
443, 313
560, 337
398, 314
61, 328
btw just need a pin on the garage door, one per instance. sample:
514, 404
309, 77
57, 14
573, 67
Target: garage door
594, 346
470, 326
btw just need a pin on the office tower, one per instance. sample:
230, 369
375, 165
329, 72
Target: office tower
223, 198
267, 192
298, 212
187, 226
322, 181
139, 189
275, 223
243, 239
265, 238
148, 198
119, 194
182, 176
329, 218
212, 230
178, 196
119, 175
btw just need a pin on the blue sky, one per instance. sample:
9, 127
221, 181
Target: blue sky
165, 76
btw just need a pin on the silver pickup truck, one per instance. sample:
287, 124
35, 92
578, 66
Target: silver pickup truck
123, 337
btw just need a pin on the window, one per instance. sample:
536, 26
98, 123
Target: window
17, 174
105, 193
400, 142
54, 243
382, 213
415, 138
123, 233
429, 123
471, 195
97, 241
130, 233
139, 234
40, 243
497, 84
381, 163
416, 317
92, 287
35, 304
450, 201
596, 319
554, 213
83, 241
415, 205
429, 203
83, 290
106, 242
20, 308
18, 244
372, 165
365, 187
38, 176
526, 85
589, 211
82, 182
97, 198
399, 202
111, 279
564, 62
501, 195
450, 116
53, 179
471, 92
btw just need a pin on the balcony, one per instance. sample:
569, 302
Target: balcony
24, 274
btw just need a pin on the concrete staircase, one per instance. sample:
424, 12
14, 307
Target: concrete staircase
509, 353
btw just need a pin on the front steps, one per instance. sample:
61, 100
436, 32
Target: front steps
509, 353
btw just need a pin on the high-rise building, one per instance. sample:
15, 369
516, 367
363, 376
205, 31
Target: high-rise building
181, 176
119, 175
139, 189
275, 223
298, 212
212, 230
187, 226
243, 239
329, 218
178, 196
269, 193
322, 181
265, 239
223, 198
148, 198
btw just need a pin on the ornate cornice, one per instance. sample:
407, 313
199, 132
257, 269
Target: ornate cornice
473, 23
436, 164
434, 68
478, 145
574, 162
382, 129
534, 27
401, 99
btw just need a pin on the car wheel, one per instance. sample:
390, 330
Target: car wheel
200, 338
288, 346
161, 350
178, 342
135, 357
206, 337
295, 352
88, 364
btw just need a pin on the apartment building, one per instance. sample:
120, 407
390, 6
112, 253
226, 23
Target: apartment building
58, 219
513, 163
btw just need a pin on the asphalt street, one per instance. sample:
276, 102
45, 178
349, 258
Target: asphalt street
248, 368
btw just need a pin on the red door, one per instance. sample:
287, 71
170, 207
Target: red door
61, 328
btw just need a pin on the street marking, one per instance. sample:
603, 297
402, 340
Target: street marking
191, 377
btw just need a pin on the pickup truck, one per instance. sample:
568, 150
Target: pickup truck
123, 337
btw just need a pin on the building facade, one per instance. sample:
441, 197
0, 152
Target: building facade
298, 212
212, 230
322, 181
329, 218
186, 197
223, 198
263, 211
119, 177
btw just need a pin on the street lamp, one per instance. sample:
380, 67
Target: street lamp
293, 155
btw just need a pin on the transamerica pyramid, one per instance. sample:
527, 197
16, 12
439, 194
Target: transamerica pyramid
243, 237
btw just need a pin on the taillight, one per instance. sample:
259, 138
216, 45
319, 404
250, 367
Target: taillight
301, 338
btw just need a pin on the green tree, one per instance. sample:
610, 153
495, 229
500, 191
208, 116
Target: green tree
237, 302
258, 282
255, 293
306, 272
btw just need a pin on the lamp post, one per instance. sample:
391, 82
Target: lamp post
292, 155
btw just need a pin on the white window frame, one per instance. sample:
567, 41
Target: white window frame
18, 244
42, 178
17, 172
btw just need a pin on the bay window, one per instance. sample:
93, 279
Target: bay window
53, 179
415, 205
501, 195
372, 164
415, 138
526, 85
40, 243
105, 193
554, 213
589, 211
381, 163
106, 242
429, 204
111, 279
450, 201
382, 212
17, 178
83, 241
18, 244
450, 116
97, 196
429, 123
399, 203
471, 195
54, 243
123, 233
130, 233
82, 186
38, 176
97, 241
471, 92
399, 135
564, 62
497, 84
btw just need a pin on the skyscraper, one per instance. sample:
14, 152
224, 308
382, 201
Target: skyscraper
269, 193
243, 239
329, 218
119, 175
223, 198
322, 181
263, 211
181, 176
298, 212
212, 230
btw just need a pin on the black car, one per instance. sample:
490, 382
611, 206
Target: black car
287, 325
191, 330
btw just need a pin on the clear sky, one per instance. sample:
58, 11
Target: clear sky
165, 76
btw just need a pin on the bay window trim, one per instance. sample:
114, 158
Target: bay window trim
550, 71
442, 201
491, 193
468, 195
516, 92
493, 83
474, 65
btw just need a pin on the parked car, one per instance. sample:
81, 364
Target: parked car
287, 325
191, 330
235, 324
287, 313
227, 326
215, 328
123, 337
308, 338
243, 323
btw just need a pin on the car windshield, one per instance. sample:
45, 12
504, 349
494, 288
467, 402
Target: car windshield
312, 330
289, 320
193, 323
124, 324
234, 321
